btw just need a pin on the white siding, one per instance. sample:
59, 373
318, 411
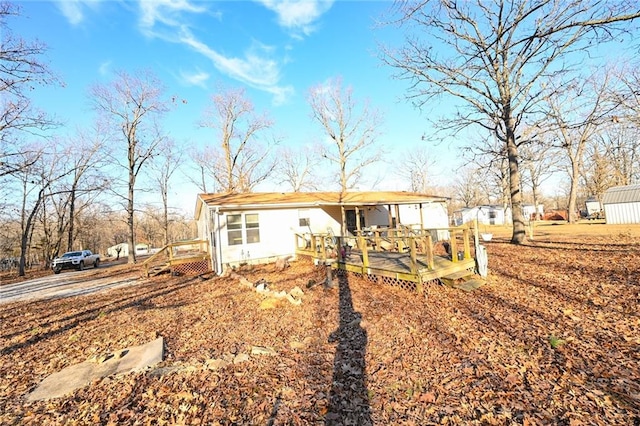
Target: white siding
277, 229
622, 213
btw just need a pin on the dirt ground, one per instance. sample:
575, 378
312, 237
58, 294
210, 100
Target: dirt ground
552, 338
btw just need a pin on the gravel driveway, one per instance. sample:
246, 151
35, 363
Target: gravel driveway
66, 284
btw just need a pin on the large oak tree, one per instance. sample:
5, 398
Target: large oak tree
493, 57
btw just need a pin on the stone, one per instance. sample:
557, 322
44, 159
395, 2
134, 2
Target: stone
269, 303
297, 345
296, 292
135, 358
262, 350
215, 364
293, 300
240, 358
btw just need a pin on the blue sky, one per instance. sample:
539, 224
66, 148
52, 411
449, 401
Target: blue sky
274, 49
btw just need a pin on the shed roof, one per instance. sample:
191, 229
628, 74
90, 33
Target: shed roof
622, 194
263, 200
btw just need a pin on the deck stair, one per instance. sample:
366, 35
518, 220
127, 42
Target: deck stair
463, 280
189, 257
159, 269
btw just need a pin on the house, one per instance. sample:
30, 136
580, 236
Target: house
486, 215
622, 204
122, 250
261, 227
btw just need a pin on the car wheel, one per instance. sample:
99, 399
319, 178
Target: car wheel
96, 263
56, 271
80, 266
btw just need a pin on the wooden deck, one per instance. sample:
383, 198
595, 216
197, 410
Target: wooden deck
398, 257
186, 257
399, 266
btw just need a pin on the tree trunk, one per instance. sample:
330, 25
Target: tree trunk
130, 213
519, 228
573, 192
72, 212
26, 233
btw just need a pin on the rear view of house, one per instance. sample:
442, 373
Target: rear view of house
260, 227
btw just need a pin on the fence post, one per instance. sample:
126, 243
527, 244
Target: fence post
467, 245
429, 251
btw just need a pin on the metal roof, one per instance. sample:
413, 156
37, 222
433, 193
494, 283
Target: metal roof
622, 194
253, 200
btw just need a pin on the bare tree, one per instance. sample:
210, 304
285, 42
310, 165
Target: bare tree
164, 165
132, 104
494, 58
415, 167
243, 160
297, 168
468, 189
621, 145
20, 70
36, 183
576, 112
352, 130
540, 161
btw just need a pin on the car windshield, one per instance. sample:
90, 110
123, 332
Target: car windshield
72, 254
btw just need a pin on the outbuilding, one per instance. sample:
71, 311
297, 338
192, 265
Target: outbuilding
622, 204
485, 215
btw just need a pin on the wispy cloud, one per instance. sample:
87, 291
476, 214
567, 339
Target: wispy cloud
74, 10
298, 15
164, 13
256, 67
195, 78
104, 68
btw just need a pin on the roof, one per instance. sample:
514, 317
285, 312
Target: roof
622, 194
262, 200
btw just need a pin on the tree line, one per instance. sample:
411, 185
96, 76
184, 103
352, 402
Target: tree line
517, 72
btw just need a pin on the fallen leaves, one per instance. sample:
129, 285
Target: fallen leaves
375, 355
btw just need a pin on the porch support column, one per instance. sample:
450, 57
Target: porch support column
397, 215
390, 216
421, 219
343, 229
358, 220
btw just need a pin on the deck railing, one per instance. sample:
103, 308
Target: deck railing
177, 253
402, 239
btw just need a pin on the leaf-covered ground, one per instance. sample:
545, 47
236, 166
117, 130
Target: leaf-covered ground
552, 338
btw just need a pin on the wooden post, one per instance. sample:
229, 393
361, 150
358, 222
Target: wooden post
390, 216
358, 220
314, 246
453, 245
412, 251
467, 244
397, 215
376, 239
421, 220
365, 253
429, 250
343, 231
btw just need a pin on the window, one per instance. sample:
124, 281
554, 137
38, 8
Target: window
238, 234
234, 229
303, 218
253, 228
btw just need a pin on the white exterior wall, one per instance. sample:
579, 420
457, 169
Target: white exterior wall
434, 215
622, 213
277, 234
